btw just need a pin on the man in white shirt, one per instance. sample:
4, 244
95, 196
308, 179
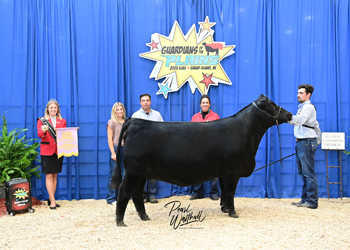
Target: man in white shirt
146, 113
308, 136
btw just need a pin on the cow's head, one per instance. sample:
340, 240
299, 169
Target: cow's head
272, 110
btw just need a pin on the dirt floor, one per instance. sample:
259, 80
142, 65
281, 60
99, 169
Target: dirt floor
262, 224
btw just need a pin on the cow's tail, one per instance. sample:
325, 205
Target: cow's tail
117, 175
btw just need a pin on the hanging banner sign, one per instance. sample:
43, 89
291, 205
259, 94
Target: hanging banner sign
67, 142
194, 58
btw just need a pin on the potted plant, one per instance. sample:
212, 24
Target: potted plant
16, 155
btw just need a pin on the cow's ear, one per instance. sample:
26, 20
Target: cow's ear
263, 102
263, 98
260, 98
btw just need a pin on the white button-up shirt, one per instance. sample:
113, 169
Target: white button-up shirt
153, 115
53, 121
306, 116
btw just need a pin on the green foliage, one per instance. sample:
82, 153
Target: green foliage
16, 155
346, 152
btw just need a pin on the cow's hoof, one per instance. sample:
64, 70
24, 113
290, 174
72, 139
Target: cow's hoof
121, 224
225, 210
233, 215
144, 217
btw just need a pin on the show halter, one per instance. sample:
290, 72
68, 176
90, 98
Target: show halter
275, 117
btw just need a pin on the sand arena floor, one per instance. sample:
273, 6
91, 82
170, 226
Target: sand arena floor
262, 224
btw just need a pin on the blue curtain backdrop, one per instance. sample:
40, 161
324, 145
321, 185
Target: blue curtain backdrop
85, 54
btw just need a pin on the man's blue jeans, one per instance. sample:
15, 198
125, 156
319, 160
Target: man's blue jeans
150, 189
198, 190
111, 193
305, 159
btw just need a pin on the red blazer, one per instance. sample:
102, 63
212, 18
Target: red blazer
48, 145
212, 116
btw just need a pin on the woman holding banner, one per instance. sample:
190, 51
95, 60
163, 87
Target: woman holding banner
114, 127
50, 163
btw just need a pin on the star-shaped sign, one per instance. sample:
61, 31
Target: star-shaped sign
153, 45
163, 89
207, 80
206, 25
21, 193
184, 58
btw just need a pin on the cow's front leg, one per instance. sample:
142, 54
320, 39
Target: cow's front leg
231, 208
231, 182
225, 209
223, 200
137, 198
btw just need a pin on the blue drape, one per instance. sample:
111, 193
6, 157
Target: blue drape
85, 54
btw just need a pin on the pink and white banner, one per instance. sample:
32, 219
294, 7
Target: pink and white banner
67, 142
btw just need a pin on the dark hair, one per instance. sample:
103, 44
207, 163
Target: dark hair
145, 95
308, 88
202, 97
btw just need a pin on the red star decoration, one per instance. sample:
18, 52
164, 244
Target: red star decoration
207, 80
153, 45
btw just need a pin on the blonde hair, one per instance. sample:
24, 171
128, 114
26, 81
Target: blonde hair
114, 108
47, 114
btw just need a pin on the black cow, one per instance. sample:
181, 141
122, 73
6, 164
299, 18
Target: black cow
213, 47
185, 153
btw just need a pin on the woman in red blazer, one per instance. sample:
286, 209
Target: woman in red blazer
206, 115
50, 163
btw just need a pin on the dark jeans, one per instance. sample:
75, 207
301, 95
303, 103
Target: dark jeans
111, 193
214, 189
150, 189
305, 159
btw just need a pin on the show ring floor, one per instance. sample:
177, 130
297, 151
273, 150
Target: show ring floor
262, 224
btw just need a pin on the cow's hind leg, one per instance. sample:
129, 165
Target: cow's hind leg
122, 202
231, 182
124, 194
137, 198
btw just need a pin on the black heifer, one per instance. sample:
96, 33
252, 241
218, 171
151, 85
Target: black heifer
185, 153
209, 48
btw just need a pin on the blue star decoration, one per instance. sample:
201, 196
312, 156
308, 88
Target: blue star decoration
163, 89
